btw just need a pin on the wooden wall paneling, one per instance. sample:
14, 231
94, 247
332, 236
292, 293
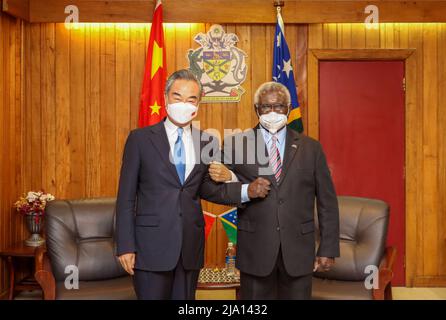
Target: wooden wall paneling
26, 126
92, 111
122, 92
358, 36
4, 217
182, 44
373, 37
345, 35
77, 113
11, 81
403, 35
316, 41
300, 70
430, 150
22, 59
442, 147
63, 134
49, 110
34, 110
138, 48
414, 162
108, 111
259, 74
390, 36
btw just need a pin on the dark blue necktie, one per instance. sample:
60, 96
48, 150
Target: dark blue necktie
179, 154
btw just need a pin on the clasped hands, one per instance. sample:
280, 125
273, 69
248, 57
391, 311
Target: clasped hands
259, 188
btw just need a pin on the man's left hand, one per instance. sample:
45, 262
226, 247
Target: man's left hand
323, 264
219, 172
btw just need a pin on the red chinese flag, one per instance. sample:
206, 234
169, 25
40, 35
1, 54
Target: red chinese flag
152, 106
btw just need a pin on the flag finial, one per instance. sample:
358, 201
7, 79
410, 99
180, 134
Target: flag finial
279, 4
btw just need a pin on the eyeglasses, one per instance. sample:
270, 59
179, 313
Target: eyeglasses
266, 108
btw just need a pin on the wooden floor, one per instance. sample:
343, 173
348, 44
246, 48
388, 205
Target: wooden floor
399, 293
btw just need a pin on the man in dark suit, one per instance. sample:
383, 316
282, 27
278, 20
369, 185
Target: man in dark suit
159, 224
276, 239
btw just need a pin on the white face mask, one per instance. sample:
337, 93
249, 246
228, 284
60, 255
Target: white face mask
273, 121
182, 112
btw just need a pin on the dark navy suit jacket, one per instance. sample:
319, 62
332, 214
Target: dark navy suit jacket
156, 217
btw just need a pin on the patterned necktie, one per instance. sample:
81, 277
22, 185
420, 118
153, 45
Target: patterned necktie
274, 158
179, 155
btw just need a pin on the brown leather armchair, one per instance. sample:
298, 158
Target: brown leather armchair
80, 233
363, 233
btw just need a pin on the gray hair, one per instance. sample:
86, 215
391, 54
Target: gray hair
183, 74
272, 86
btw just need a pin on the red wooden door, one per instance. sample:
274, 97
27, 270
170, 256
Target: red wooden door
362, 132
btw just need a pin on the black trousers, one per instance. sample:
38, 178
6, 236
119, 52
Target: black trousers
278, 285
177, 284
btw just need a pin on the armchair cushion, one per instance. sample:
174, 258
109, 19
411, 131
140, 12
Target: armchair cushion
80, 233
363, 234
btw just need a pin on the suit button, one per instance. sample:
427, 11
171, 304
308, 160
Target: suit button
278, 229
181, 189
181, 214
281, 201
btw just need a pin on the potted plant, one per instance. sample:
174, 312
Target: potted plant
32, 206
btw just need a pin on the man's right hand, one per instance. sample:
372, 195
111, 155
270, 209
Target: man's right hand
259, 188
128, 262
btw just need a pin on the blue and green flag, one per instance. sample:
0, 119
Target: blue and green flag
283, 73
229, 222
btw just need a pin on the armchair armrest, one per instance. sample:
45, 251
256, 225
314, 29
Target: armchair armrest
384, 292
44, 275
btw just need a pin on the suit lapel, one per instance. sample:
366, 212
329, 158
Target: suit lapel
292, 144
161, 143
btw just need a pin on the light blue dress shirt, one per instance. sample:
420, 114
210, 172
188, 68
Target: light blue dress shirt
267, 137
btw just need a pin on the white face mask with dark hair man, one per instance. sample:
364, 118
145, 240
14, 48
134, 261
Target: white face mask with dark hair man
182, 112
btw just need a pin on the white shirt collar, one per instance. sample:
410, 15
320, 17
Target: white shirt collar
172, 129
267, 136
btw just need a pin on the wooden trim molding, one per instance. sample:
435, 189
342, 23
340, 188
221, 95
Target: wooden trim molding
362, 54
17, 8
429, 281
412, 124
230, 11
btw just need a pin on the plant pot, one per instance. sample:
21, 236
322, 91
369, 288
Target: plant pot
34, 222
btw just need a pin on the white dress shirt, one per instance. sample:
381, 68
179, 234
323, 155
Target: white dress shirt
172, 135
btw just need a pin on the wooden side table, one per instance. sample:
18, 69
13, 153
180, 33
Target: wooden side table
12, 255
216, 279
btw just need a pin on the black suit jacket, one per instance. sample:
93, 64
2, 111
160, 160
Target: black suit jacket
156, 216
286, 216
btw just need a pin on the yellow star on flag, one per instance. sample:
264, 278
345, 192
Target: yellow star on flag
155, 108
157, 59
